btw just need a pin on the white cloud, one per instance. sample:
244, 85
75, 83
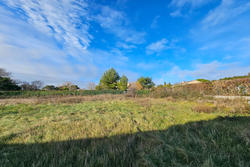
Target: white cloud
66, 20
161, 45
178, 5
176, 13
125, 45
211, 71
227, 10
154, 23
225, 30
115, 22
192, 3
157, 46
32, 54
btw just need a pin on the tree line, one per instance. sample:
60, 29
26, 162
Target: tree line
110, 80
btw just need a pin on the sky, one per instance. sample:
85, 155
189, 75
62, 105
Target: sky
169, 40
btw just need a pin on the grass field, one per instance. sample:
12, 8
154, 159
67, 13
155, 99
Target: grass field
124, 132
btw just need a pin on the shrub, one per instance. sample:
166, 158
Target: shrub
123, 83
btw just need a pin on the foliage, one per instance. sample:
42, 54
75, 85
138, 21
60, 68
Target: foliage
109, 79
7, 84
203, 80
68, 86
138, 132
146, 82
49, 87
23, 94
123, 83
169, 85
236, 77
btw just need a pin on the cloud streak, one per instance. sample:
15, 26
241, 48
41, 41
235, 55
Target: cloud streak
115, 22
227, 10
61, 19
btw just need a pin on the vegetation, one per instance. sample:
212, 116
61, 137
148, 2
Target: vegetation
23, 94
112, 80
123, 83
128, 132
34, 85
203, 80
146, 82
236, 77
109, 79
8, 84
50, 87
68, 86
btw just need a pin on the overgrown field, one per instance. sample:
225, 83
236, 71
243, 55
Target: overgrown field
53, 93
125, 132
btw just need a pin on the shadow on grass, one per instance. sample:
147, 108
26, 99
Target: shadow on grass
224, 141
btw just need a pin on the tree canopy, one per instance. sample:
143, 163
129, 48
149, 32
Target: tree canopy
8, 84
109, 79
123, 83
146, 82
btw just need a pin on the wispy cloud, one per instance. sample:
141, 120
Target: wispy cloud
154, 23
227, 10
161, 45
192, 3
157, 46
116, 22
125, 45
50, 41
212, 70
66, 20
178, 5
224, 30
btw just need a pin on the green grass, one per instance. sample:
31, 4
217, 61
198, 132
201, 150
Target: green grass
140, 132
41, 93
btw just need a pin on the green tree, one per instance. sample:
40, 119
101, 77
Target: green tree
50, 87
123, 83
8, 84
109, 79
146, 82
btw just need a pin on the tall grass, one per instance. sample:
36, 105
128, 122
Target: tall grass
23, 94
139, 132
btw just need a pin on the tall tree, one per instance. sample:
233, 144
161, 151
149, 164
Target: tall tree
146, 82
123, 83
109, 79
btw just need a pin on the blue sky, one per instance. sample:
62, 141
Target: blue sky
172, 41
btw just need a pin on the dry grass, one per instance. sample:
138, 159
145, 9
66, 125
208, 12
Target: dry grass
202, 108
56, 100
120, 131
